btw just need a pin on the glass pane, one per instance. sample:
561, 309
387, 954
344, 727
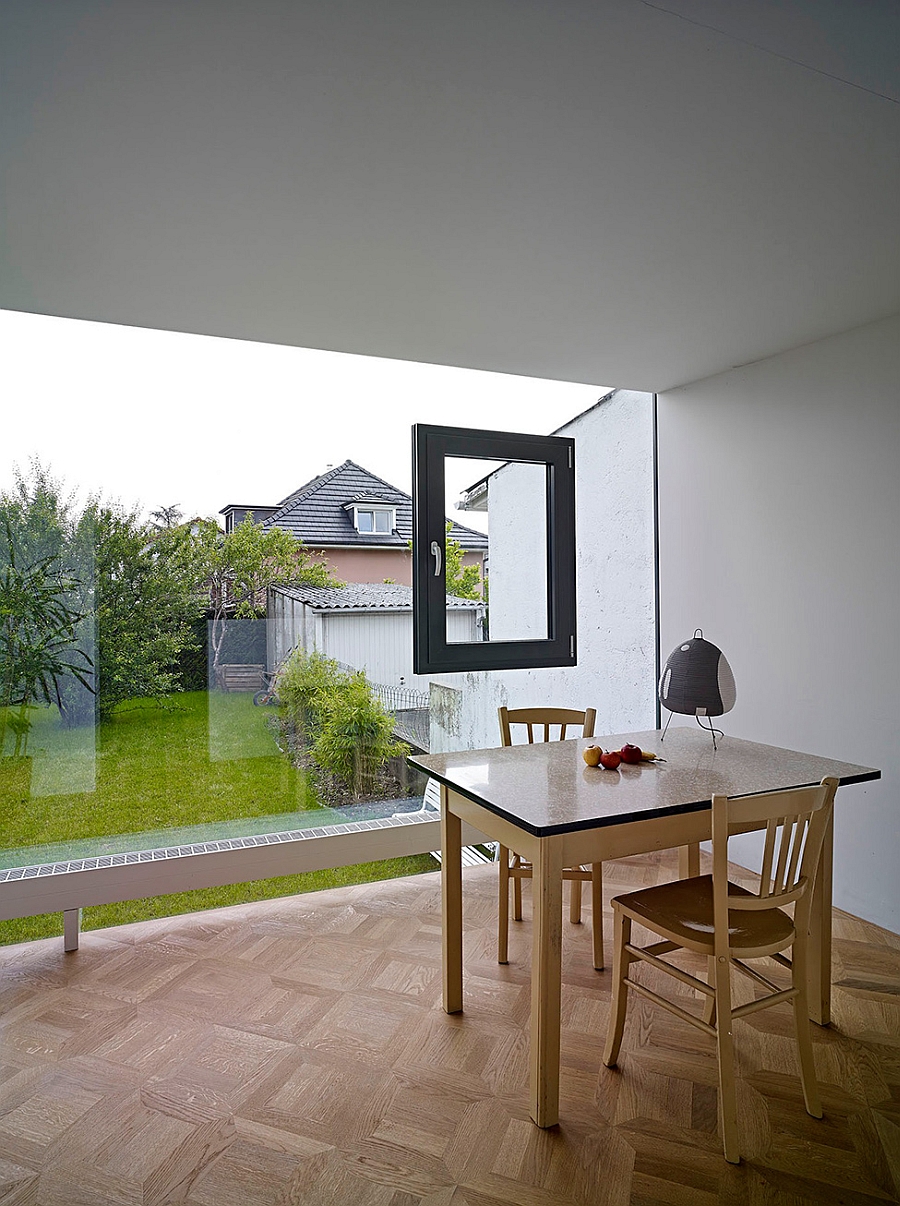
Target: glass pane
496, 552
162, 717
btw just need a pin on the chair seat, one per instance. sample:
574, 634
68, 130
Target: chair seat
685, 909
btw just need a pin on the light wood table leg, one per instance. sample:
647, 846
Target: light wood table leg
71, 929
546, 979
689, 861
451, 905
819, 978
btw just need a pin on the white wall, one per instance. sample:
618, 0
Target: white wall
378, 642
614, 533
779, 500
381, 642
517, 566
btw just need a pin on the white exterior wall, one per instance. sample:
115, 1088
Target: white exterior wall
616, 668
381, 642
517, 506
378, 642
779, 502
291, 623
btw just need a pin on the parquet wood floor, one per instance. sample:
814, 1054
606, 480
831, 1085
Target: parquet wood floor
295, 1051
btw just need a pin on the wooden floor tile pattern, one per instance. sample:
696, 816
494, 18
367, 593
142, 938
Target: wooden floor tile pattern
295, 1051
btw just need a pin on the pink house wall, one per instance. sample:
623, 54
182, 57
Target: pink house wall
374, 565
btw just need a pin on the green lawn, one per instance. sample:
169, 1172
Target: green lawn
159, 770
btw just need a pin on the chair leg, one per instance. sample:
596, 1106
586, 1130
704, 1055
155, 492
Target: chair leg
725, 1052
503, 908
804, 1041
575, 901
619, 1002
517, 891
709, 1012
597, 914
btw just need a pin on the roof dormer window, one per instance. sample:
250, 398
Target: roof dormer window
372, 518
374, 521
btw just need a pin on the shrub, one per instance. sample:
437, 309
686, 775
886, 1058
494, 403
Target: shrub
305, 683
340, 718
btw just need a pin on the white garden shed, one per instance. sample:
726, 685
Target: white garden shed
364, 625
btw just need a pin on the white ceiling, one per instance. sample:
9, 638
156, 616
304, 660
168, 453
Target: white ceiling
611, 191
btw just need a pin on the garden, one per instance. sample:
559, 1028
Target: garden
111, 631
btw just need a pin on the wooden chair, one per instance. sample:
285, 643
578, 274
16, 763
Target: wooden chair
513, 868
728, 924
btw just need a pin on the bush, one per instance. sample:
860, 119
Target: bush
305, 683
340, 718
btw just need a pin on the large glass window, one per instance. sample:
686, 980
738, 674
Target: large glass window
180, 674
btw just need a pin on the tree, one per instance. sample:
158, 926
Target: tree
167, 517
463, 581
148, 597
38, 646
41, 646
133, 592
243, 563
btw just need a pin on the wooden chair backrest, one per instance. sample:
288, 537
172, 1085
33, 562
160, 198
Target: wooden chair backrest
546, 718
795, 823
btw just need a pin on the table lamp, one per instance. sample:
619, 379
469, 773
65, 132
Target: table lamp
697, 681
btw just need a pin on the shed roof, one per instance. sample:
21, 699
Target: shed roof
364, 596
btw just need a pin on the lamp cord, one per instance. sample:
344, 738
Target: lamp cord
710, 728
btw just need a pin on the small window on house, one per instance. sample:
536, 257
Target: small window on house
373, 519
507, 600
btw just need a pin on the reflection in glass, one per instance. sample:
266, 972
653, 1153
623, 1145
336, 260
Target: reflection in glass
505, 597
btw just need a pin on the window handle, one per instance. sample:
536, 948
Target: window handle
436, 553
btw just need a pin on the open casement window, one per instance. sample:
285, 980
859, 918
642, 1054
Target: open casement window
516, 608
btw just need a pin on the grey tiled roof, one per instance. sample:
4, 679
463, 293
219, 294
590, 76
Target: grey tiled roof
315, 513
371, 596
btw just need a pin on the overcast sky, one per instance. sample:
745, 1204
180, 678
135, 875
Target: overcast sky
158, 418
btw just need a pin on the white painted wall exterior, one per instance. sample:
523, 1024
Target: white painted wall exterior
517, 507
378, 641
615, 581
779, 502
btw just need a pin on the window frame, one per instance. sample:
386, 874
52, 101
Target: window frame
374, 509
432, 653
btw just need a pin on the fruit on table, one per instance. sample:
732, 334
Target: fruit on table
646, 756
631, 754
611, 759
592, 754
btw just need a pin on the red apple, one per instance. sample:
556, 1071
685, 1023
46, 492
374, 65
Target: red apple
610, 760
631, 754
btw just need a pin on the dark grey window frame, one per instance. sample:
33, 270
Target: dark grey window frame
432, 653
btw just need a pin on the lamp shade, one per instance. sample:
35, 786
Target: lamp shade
697, 680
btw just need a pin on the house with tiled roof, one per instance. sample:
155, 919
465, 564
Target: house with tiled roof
360, 523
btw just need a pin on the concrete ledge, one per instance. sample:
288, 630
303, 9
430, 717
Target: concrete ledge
105, 879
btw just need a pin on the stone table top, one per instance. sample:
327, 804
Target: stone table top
547, 788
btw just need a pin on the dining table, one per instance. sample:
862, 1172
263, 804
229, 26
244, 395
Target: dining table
544, 802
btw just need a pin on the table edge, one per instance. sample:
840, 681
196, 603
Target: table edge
628, 818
